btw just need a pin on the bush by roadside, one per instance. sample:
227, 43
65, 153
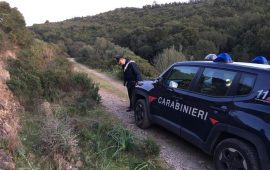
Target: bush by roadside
42, 73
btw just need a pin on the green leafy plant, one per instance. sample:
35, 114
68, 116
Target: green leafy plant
150, 147
121, 138
167, 58
145, 165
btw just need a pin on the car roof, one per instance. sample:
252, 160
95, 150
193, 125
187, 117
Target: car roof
235, 65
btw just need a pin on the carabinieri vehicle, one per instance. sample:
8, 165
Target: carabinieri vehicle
223, 108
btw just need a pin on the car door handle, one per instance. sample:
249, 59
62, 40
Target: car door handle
171, 89
178, 97
219, 109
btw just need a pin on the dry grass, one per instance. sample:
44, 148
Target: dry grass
9, 132
12, 135
58, 142
108, 87
57, 137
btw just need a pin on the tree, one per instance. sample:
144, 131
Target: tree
204, 47
168, 57
87, 52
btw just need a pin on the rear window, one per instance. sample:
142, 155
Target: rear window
246, 84
216, 82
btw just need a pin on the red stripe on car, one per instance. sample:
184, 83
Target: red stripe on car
213, 121
151, 98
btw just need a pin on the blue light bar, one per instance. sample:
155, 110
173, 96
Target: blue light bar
260, 60
223, 58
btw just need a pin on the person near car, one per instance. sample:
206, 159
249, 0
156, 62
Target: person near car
131, 76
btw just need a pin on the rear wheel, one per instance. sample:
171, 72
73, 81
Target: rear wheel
234, 154
141, 114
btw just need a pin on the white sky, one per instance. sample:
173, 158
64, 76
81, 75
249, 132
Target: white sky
38, 11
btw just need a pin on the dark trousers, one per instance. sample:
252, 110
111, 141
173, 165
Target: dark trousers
130, 90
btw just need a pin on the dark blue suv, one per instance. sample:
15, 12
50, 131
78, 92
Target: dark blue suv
223, 108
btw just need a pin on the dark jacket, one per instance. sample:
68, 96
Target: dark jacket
131, 73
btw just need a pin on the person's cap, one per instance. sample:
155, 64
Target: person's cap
210, 57
260, 60
118, 56
224, 58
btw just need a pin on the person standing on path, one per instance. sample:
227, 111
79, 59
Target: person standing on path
132, 76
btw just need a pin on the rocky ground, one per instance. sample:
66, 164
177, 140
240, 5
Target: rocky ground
8, 114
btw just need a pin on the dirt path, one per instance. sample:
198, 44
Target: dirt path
176, 152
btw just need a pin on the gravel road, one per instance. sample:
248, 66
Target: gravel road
176, 152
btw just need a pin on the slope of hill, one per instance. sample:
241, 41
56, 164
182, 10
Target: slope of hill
9, 106
50, 116
239, 27
12, 34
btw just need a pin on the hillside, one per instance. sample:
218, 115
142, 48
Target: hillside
51, 116
239, 27
12, 35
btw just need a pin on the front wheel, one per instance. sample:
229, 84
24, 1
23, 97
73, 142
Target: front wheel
141, 114
234, 154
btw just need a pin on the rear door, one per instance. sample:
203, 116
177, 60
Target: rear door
209, 104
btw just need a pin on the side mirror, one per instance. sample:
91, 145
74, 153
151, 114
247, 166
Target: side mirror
173, 84
159, 80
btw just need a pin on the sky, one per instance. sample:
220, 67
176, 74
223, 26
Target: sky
38, 11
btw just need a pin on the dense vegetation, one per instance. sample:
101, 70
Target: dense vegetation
12, 28
239, 27
63, 126
101, 55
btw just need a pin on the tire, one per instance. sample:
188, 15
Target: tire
234, 154
141, 114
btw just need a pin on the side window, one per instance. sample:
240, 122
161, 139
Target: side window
181, 77
246, 84
215, 82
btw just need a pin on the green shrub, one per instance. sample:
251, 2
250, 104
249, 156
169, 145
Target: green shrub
82, 82
150, 148
89, 97
85, 102
24, 80
37, 73
13, 24
51, 85
167, 58
121, 139
86, 51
